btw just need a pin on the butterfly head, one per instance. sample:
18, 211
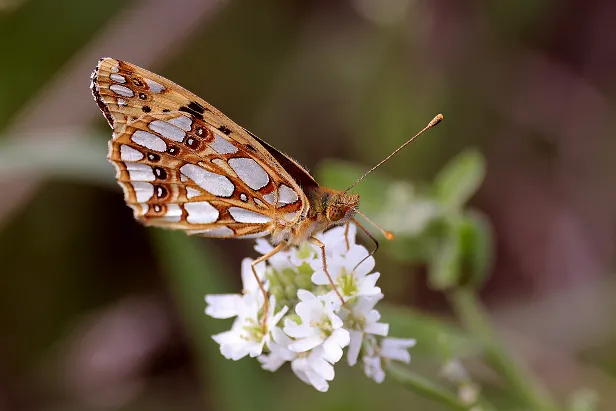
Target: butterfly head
341, 207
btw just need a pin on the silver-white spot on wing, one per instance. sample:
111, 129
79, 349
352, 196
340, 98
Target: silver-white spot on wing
173, 214
241, 215
143, 191
115, 69
254, 235
243, 197
183, 122
118, 78
154, 86
167, 130
213, 183
250, 172
140, 172
270, 197
192, 193
201, 212
213, 232
287, 195
128, 153
122, 102
121, 90
149, 140
222, 146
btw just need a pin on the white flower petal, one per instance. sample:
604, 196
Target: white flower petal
341, 337
298, 331
354, 346
249, 282
299, 367
367, 285
397, 349
271, 362
333, 352
304, 295
223, 305
305, 344
263, 246
320, 365
335, 320
319, 277
377, 328
275, 319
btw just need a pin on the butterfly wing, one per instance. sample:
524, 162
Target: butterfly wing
183, 164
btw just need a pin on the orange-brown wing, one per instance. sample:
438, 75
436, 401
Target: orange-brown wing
182, 164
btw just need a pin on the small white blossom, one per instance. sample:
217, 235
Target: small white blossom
319, 326
373, 369
314, 369
233, 305
361, 318
397, 349
247, 336
350, 272
390, 349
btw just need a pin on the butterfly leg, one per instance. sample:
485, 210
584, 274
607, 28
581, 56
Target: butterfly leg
318, 243
346, 235
253, 265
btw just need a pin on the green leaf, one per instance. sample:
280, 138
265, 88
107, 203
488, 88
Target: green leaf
475, 235
458, 181
192, 270
444, 265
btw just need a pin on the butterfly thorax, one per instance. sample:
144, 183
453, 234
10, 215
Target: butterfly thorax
328, 208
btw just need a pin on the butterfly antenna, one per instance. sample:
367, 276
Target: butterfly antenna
388, 234
376, 242
431, 124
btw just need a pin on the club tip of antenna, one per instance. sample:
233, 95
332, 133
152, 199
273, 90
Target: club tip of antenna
388, 235
436, 120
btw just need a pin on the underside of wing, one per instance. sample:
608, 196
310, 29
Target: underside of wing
182, 164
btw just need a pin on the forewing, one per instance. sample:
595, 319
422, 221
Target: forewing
182, 164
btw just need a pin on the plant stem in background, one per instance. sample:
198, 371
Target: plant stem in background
426, 388
474, 317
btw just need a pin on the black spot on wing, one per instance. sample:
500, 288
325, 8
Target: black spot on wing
191, 112
196, 107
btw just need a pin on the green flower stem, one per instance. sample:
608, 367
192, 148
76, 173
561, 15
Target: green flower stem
475, 318
426, 388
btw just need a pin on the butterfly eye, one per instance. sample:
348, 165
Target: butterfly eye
335, 213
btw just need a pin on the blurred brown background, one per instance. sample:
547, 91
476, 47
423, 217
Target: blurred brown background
89, 313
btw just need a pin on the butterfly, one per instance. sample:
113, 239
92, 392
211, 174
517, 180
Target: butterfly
183, 164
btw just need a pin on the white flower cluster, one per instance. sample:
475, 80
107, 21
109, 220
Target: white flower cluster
313, 334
